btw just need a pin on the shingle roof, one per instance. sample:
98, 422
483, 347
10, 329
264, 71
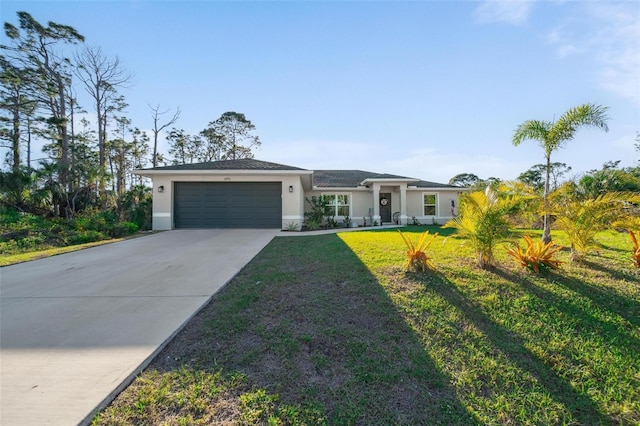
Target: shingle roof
243, 164
427, 184
353, 178
321, 178
347, 178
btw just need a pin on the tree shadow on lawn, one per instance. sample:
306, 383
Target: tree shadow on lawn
582, 318
616, 342
307, 321
605, 297
629, 275
581, 408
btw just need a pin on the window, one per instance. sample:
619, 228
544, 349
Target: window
430, 202
339, 203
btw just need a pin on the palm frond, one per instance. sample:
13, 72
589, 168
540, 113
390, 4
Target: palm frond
582, 219
585, 115
483, 219
531, 130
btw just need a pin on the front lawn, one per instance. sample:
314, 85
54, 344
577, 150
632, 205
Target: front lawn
330, 329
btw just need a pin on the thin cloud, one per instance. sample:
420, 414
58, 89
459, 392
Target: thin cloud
513, 12
617, 44
610, 34
563, 42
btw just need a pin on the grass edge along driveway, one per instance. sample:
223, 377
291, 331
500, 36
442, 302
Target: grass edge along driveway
331, 330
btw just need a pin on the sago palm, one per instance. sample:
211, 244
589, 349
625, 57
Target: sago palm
581, 219
483, 220
553, 135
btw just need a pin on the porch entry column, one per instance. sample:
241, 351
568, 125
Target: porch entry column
403, 204
376, 203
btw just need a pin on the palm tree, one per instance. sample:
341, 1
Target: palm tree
553, 135
483, 218
582, 218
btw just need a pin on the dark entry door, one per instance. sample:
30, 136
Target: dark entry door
385, 207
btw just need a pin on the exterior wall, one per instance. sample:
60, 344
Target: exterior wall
362, 203
292, 202
162, 203
415, 206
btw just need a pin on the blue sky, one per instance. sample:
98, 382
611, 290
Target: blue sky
425, 89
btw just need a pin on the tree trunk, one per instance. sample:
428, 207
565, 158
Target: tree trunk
16, 138
63, 173
29, 143
546, 233
102, 128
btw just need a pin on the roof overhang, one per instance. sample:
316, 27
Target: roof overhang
340, 188
305, 175
391, 181
438, 188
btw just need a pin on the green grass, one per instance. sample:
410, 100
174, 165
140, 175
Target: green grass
331, 330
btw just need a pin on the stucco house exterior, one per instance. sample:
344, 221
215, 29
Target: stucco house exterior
250, 193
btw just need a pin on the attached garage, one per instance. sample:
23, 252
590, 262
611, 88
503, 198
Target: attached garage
227, 204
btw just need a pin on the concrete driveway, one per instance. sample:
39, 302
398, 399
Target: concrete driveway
76, 328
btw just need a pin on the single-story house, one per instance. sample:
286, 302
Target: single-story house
249, 193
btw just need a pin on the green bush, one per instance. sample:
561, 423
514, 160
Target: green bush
24, 232
83, 237
137, 206
9, 216
123, 228
141, 215
8, 247
33, 240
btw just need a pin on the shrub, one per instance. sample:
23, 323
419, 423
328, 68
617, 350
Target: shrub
582, 219
123, 228
537, 255
319, 210
483, 219
83, 237
292, 226
95, 220
312, 225
32, 241
8, 247
417, 258
137, 206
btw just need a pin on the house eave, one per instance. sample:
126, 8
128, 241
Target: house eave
339, 188
369, 181
208, 172
436, 188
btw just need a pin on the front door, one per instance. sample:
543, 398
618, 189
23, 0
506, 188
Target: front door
385, 207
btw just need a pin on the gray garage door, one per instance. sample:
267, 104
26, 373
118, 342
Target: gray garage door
227, 205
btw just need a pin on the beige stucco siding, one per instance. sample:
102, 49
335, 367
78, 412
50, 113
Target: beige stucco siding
296, 187
415, 204
292, 202
361, 201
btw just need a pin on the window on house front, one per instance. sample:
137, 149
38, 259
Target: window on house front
339, 203
430, 202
